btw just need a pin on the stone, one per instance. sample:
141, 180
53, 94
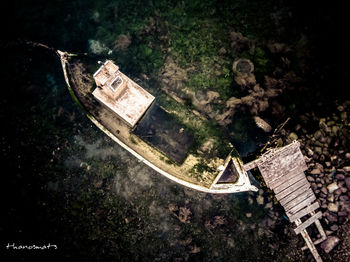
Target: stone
324, 206
96, 47
334, 227
346, 169
347, 155
313, 186
310, 179
344, 198
250, 201
222, 51
331, 217
261, 123
318, 150
323, 126
207, 147
323, 195
315, 171
332, 187
342, 213
340, 108
338, 192
268, 205
324, 190
122, 42
333, 207
309, 152
340, 176
318, 134
292, 136
248, 214
330, 198
260, 200
330, 243
344, 116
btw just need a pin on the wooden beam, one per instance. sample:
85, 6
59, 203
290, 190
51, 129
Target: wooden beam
304, 212
291, 189
282, 184
301, 205
316, 242
308, 222
251, 165
298, 200
295, 194
309, 242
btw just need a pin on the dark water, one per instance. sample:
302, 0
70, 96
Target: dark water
67, 184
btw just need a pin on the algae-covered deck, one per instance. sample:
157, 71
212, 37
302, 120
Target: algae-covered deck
161, 130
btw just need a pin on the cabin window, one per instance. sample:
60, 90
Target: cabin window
116, 83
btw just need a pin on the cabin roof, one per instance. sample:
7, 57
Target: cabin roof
120, 94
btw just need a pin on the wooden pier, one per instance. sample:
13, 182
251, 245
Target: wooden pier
283, 172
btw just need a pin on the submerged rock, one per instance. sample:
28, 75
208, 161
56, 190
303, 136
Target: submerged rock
96, 47
333, 207
330, 243
261, 123
122, 42
347, 182
332, 187
260, 200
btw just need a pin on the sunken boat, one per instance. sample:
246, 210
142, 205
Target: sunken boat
170, 138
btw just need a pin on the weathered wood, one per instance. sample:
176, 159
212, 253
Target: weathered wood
316, 242
251, 165
301, 205
309, 242
308, 222
291, 188
304, 212
300, 199
283, 161
273, 180
281, 185
295, 194
322, 233
278, 168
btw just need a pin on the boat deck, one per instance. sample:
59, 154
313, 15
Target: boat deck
164, 145
160, 129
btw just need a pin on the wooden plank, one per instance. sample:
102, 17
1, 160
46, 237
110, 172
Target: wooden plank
251, 165
282, 161
308, 222
301, 205
283, 184
304, 212
298, 199
277, 175
291, 189
316, 242
295, 194
320, 229
309, 242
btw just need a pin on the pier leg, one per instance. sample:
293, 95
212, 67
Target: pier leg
309, 242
